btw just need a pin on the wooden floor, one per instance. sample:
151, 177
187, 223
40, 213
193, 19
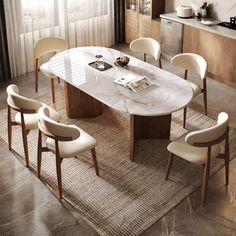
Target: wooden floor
29, 208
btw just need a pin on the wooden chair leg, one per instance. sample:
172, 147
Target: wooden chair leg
185, 109
205, 178
227, 161
9, 127
184, 117
185, 74
36, 75
145, 57
58, 168
53, 90
205, 96
170, 160
95, 161
160, 64
205, 102
24, 137
39, 159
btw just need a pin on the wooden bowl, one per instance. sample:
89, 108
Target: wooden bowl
122, 61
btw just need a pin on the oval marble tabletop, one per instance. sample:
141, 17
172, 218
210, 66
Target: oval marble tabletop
168, 93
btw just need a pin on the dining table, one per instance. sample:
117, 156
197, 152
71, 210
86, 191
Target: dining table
88, 89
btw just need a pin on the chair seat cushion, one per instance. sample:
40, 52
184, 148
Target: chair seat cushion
196, 88
196, 155
72, 148
31, 120
46, 71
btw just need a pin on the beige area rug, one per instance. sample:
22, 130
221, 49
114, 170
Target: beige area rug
128, 197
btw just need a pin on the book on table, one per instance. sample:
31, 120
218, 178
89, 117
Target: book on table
134, 82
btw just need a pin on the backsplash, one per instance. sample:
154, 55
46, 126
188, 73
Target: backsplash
219, 9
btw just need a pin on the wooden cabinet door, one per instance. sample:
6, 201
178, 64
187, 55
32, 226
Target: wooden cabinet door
156, 25
139, 19
219, 51
131, 26
145, 26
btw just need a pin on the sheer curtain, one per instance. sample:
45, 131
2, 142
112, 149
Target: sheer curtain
90, 22
80, 22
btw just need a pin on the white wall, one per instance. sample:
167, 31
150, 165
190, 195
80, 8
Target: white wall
220, 9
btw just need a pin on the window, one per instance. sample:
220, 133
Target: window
38, 14
79, 10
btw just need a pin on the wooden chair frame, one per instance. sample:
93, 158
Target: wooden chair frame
159, 61
225, 156
36, 80
58, 158
203, 90
25, 131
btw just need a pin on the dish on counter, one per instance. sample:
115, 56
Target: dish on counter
208, 22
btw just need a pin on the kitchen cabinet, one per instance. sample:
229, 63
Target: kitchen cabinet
218, 50
131, 20
141, 18
156, 28
171, 38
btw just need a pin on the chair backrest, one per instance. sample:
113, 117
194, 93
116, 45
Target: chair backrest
54, 129
209, 134
46, 45
146, 45
191, 62
17, 101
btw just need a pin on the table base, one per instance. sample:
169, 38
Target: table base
82, 105
79, 104
148, 127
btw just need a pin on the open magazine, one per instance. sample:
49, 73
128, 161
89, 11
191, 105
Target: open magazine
134, 83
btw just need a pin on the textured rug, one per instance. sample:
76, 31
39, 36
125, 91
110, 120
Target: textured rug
128, 197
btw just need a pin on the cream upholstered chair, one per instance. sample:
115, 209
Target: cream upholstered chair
26, 116
42, 47
65, 141
199, 147
147, 46
196, 64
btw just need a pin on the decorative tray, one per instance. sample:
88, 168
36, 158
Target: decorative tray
106, 66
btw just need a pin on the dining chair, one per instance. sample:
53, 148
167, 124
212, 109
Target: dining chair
26, 116
199, 147
198, 65
64, 141
42, 47
147, 46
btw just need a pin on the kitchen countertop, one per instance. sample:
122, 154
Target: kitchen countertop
197, 24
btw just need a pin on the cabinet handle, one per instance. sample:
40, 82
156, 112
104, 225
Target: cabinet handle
169, 22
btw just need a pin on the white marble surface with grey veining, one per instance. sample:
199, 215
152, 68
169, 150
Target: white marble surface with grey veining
168, 93
229, 33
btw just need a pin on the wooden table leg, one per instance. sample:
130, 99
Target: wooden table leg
79, 104
148, 127
132, 138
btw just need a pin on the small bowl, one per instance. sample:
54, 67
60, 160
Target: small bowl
122, 61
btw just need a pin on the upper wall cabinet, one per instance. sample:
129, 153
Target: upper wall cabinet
151, 8
145, 7
139, 15
131, 4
